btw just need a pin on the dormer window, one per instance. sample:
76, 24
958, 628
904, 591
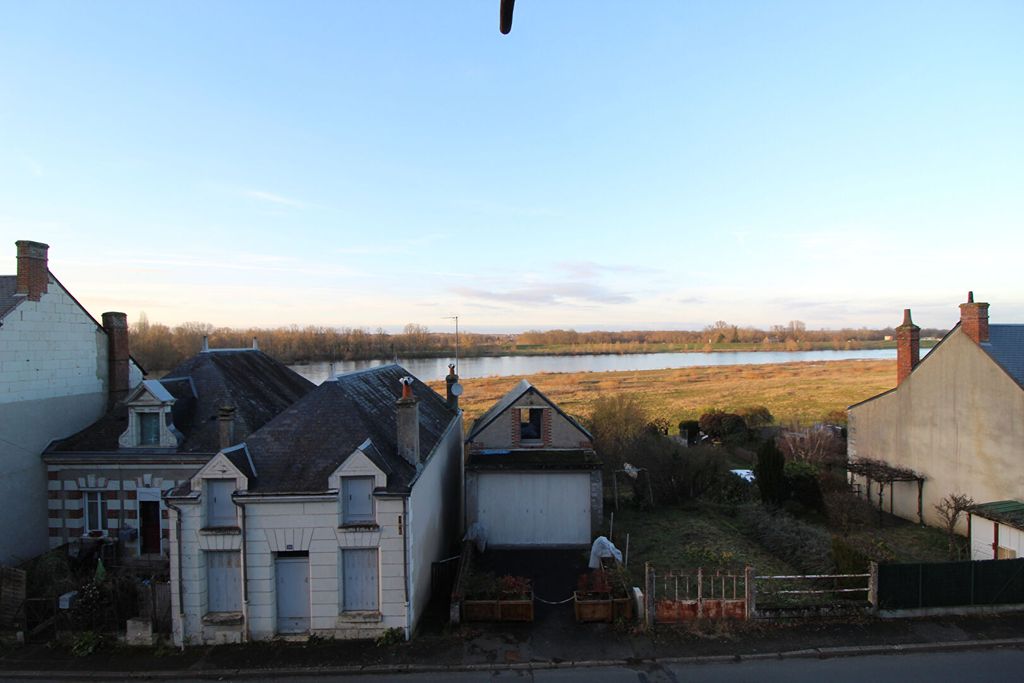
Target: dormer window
220, 510
357, 500
149, 429
149, 418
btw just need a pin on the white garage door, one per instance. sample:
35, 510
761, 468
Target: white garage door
535, 509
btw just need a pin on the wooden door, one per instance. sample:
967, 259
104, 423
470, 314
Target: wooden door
292, 583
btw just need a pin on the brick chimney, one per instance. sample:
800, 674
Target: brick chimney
450, 381
908, 347
408, 424
974, 319
33, 275
226, 423
116, 326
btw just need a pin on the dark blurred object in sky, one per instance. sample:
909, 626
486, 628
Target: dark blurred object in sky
506, 15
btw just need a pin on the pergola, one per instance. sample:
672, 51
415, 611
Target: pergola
884, 473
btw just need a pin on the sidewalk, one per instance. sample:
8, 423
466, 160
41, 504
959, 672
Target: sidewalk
552, 641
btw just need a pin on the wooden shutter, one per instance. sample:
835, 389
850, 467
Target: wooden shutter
224, 581
220, 511
359, 580
357, 500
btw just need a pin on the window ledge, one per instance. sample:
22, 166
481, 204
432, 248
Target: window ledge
220, 531
359, 526
360, 617
223, 618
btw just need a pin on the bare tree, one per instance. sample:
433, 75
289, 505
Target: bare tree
950, 508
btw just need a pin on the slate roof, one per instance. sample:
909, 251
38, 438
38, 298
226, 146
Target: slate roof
298, 450
258, 386
8, 285
1006, 346
508, 400
1009, 512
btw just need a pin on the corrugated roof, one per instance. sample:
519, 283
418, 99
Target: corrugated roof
1010, 512
258, 386
1006, 346
298, 450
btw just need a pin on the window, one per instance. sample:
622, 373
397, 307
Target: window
359, 580
220, 511
357, 500
529, 423
149, 429
223, 581
95, 511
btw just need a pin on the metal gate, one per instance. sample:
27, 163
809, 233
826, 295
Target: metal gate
677, 596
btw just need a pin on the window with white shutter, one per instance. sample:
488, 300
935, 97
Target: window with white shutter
357, 500
223, 581
220, 511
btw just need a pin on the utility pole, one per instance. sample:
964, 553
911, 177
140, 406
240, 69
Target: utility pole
456, 319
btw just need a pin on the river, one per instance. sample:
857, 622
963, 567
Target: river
430, 369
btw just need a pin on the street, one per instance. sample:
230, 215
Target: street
963, 667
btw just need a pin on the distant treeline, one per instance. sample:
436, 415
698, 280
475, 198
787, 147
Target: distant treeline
160, 347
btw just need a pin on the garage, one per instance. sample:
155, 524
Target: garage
534, 508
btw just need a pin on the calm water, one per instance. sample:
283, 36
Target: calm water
429, 369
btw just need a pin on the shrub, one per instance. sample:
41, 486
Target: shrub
846, 510
802, 485
691, 430
756, 416
801, 545
85, 643
392, 636
770, 475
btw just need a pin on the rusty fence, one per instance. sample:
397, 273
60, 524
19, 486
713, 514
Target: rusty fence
678, 596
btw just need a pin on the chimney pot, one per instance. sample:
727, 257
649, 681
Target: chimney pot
450, 381
908, 347
255, 344
226, 425
974, 319
206, 343
33, 272
115, 324
408, 424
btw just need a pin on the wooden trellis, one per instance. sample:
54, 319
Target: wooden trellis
884, 473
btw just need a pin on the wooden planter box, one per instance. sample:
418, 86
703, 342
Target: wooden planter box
606, 610
497, 610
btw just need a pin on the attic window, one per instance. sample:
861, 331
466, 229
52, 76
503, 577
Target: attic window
149, 429
529, 424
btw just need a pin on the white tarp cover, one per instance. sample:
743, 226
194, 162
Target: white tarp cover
478, 535
603, 548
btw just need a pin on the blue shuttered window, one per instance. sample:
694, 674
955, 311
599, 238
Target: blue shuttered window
223, 581
357, 500
220, 511
359, 582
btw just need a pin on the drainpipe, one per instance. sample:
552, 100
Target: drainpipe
181, 600
245, 575
405, 566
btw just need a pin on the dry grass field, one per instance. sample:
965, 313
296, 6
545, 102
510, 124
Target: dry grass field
802, 392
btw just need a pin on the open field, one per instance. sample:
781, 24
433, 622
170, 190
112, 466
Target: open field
804, 392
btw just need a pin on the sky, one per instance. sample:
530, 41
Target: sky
607, 165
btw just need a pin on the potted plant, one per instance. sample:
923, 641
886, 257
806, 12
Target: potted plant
491, 598
603, 595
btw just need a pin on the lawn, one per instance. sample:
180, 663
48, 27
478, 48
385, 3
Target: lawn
801, 392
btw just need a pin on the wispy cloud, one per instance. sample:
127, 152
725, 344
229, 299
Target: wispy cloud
392, 246
591, 269
34, 167
274, 198
564, 293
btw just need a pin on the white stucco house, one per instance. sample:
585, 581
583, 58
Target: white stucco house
955, 419
59, 370
324, 521
532, 476
106, 482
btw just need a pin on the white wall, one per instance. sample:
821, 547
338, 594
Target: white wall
435, 513
53, 382
958, 420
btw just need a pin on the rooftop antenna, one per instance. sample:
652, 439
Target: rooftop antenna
456, 319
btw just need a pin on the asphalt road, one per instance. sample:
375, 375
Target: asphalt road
979, 666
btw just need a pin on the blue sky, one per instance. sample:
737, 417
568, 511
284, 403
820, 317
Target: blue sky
607, 165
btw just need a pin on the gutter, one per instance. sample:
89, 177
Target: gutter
405, 567
245, 573
177, 538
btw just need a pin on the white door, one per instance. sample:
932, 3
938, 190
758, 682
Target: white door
292, 572
538, 509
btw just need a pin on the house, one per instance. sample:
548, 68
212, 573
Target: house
59, 370
997, 530
106, 481
954, 423
324, 521
532, 476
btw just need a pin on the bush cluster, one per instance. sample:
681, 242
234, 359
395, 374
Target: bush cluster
804, 546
